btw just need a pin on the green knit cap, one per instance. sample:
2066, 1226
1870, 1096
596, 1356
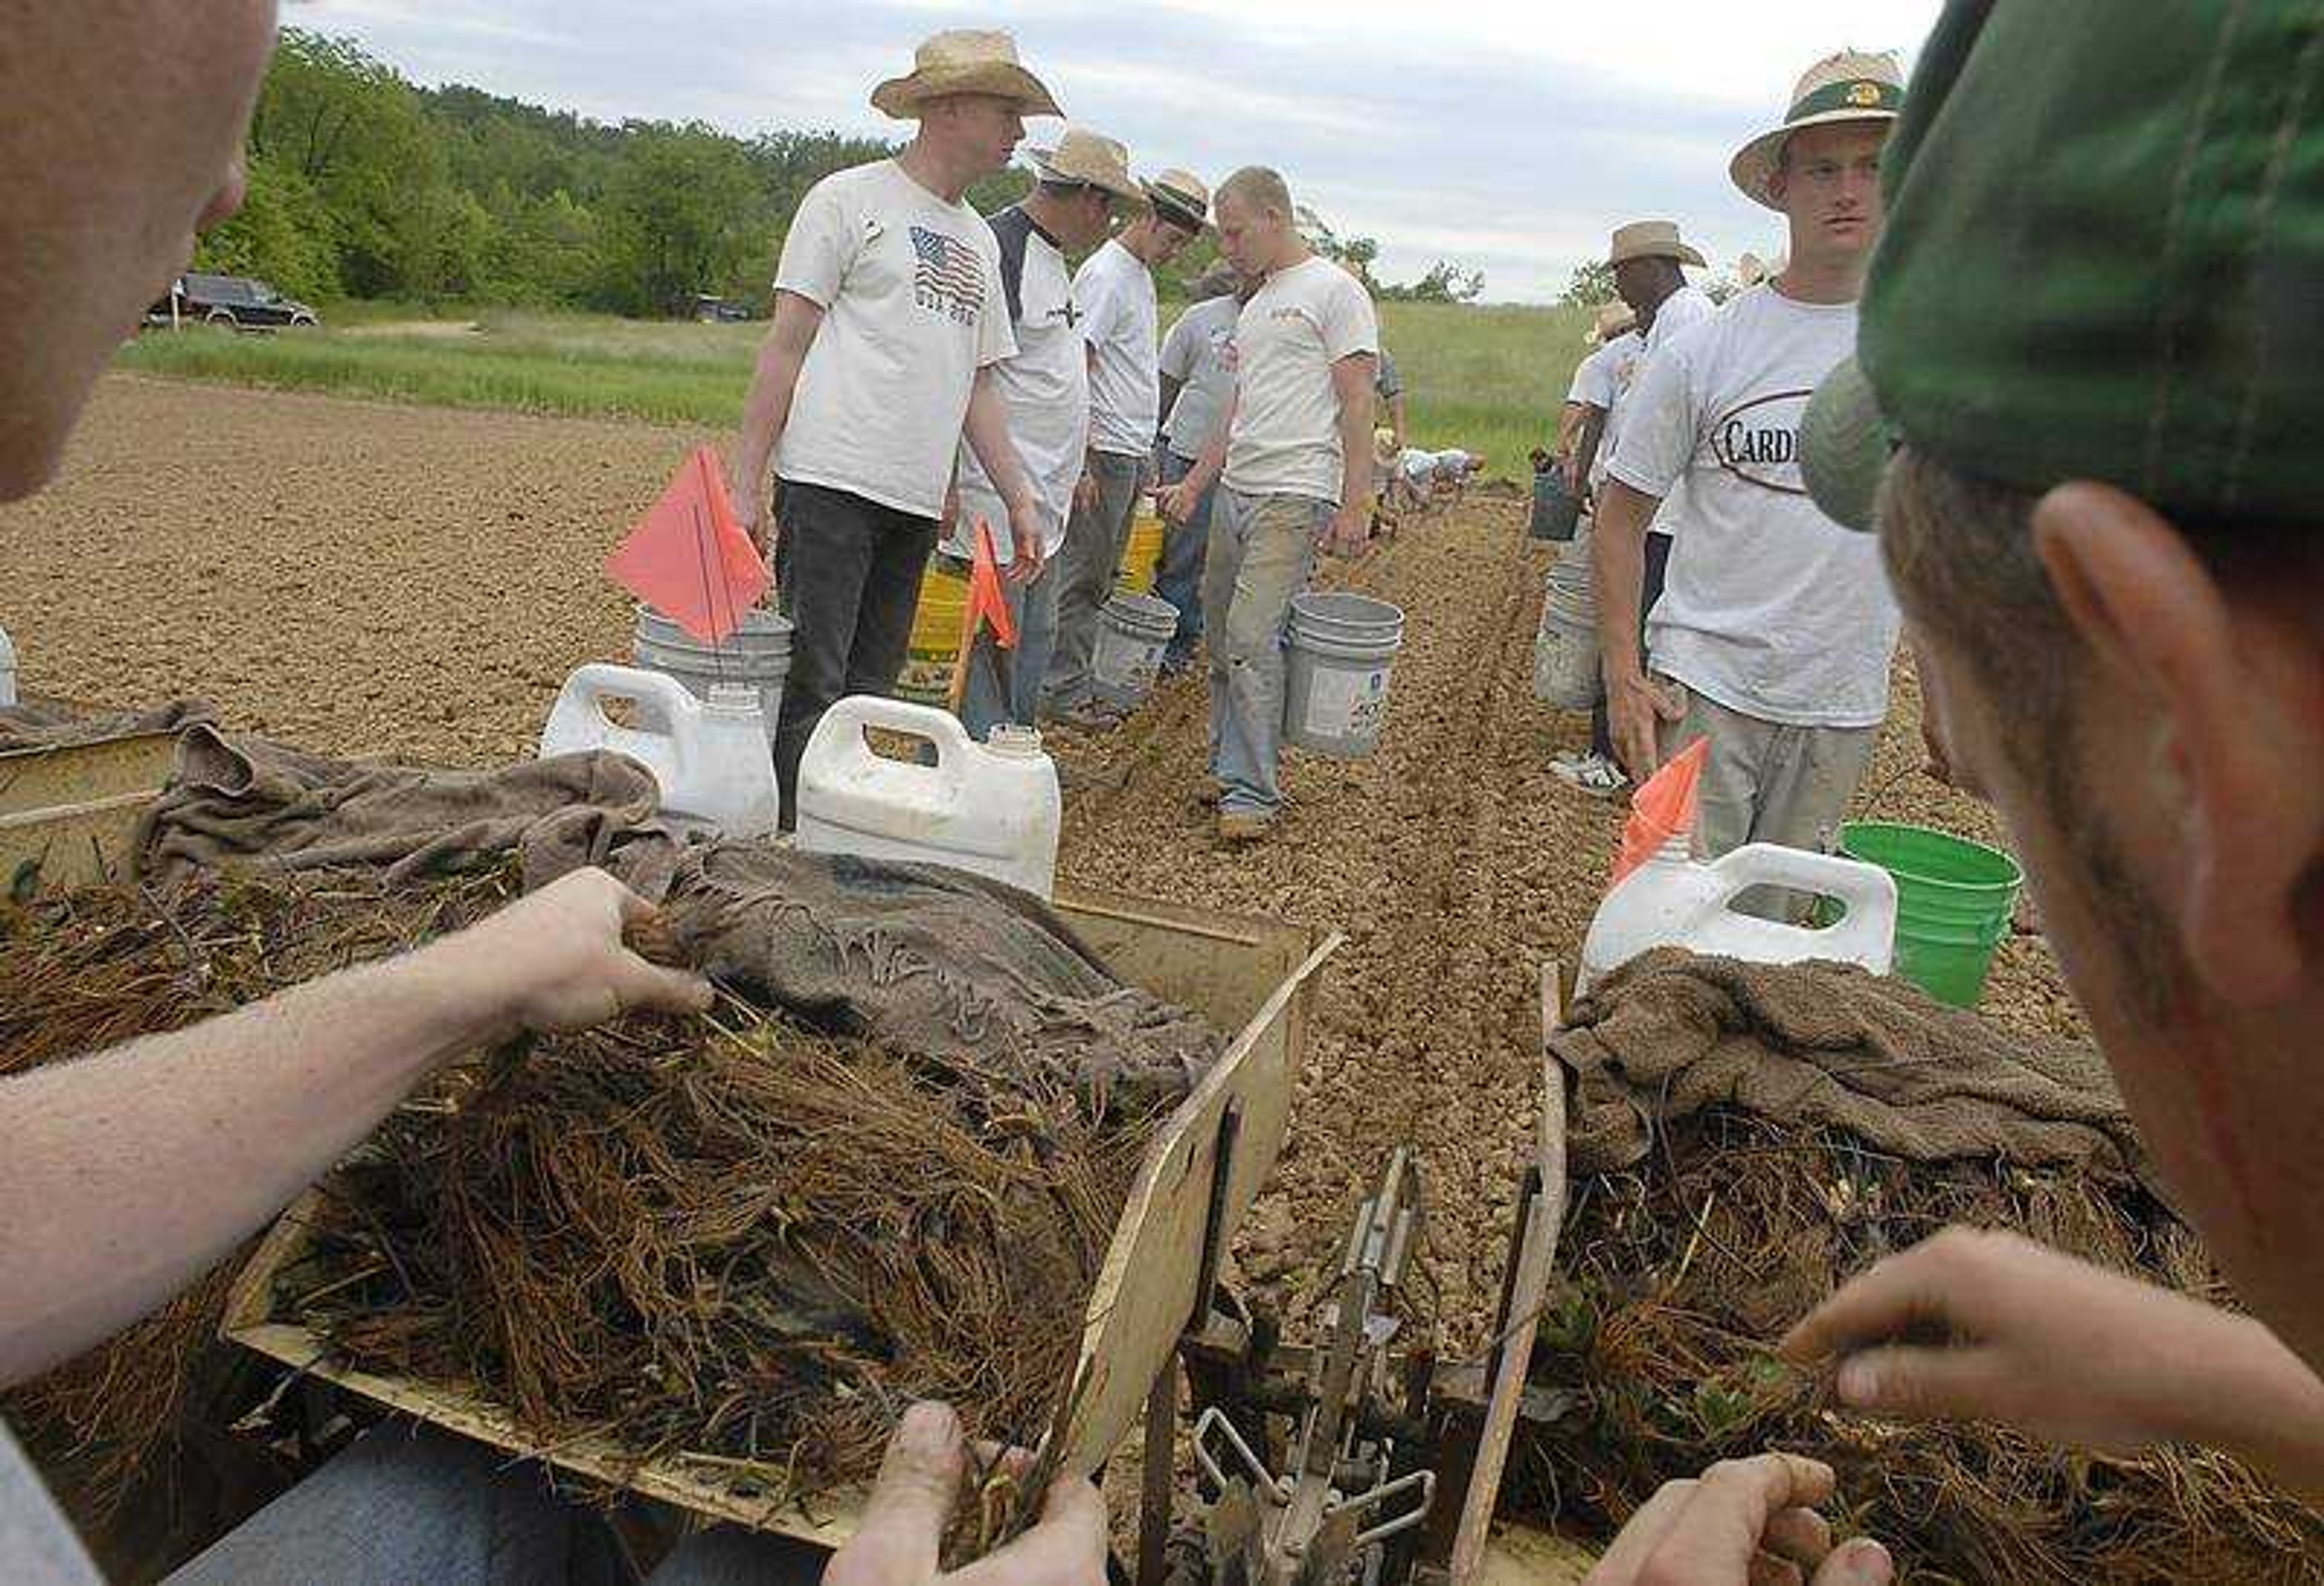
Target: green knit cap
2104, 259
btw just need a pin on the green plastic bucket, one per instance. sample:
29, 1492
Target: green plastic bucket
1954, 901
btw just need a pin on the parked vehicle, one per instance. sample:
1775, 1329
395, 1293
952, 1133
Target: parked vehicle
237, 301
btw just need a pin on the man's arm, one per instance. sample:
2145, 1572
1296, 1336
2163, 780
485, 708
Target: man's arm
767, 410
1171, 386
1588, 432
1634, 708
1352, 378
987, 429
1178, 502
125, 1175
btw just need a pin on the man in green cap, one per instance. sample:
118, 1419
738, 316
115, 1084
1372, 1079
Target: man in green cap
2084, 415
1774, 632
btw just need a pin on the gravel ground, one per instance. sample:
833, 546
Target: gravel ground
368, 578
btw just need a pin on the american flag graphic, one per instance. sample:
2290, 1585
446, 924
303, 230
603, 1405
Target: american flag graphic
946, 273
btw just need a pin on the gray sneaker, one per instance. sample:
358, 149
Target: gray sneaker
1593, 774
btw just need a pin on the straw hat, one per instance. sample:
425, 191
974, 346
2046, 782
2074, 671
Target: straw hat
1851, 86
1653, 239
1613, 320
1091, 158
1180, 196
1750, 270
963, 61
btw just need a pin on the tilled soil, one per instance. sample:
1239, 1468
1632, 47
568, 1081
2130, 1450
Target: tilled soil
365, 578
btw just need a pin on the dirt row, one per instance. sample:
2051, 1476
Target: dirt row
365, 578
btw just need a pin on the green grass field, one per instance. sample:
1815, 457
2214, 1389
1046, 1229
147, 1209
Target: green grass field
1489, 379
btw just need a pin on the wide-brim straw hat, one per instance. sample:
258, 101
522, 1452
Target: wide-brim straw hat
1180, 196
1091, 158
1851, 86
966, 61
1653, 239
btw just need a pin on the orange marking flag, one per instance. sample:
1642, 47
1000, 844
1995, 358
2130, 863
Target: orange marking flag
1662, 809
689, 559
987, 601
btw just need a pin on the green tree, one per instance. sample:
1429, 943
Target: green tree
283, 235
1445, 282
681, 216
1591, 285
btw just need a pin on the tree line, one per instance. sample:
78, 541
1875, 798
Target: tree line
363, 185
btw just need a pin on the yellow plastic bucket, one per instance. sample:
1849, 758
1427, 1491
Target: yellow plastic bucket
935, 638
1141, 555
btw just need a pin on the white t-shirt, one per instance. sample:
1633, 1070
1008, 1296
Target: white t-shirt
1196, 353
1593, 377
910, 290
1608, 373
1688, 306
1770, 608
1115, 294
1287, 429
1043, 386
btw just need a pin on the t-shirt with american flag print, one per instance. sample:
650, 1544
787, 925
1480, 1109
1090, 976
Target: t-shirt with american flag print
910, 290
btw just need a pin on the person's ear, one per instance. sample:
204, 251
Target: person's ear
2235, 695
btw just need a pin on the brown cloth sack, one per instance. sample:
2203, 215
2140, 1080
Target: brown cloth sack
1670, 1034
243, 801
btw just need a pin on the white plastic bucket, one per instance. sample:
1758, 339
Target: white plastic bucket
1132, 632
1339, 660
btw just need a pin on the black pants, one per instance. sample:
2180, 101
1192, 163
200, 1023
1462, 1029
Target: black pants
1650, 590
848, 571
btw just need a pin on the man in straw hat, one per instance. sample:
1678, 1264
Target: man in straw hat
128, 1173
1601, 376
2111, 574
1079, 187
1197, 382
1121, 322
1774, 630
889, 318
1295, 454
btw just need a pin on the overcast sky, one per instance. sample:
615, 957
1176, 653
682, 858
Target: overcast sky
1504, 136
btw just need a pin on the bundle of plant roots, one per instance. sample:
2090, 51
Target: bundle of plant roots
1683, 1270
83, 970
753, 1244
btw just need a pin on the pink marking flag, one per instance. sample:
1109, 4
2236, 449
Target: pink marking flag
689, 559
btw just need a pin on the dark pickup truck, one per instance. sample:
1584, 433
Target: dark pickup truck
234, 300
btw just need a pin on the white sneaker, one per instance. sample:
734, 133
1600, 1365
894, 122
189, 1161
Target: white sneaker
1593, 774
1567, 757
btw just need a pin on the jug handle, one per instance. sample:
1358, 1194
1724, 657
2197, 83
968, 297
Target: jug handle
1866, 889
851, 715
660, 699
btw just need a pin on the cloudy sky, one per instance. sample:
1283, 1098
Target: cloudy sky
1505, 137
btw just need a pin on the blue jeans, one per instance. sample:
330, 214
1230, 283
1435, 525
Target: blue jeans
1261, 549
1179, 580
409, 1504
1035, 607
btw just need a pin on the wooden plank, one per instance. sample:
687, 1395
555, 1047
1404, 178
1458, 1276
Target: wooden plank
1146, 1292
1544, 1220
71, 845
81, 773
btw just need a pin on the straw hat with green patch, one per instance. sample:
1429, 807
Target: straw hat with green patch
966, 60
1087, 159
2103, 250
1851, 86
1613, 320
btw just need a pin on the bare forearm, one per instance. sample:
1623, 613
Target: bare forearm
2242, 1391
1587, 435
767, 409
1214, 461
126, 1174
1618, 554
1356, 465
987, 437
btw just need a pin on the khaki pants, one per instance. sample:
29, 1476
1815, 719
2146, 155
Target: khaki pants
1766, 783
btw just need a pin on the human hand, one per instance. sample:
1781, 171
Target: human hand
555, 961
1025, 544
1176, 502
1350, 531
1746, 1523
898, 1541
1635, 708
744, 490
1085, 494
1976, 1326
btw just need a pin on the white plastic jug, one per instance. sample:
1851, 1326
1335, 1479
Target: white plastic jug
993, 809
709, 756
1670, 901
